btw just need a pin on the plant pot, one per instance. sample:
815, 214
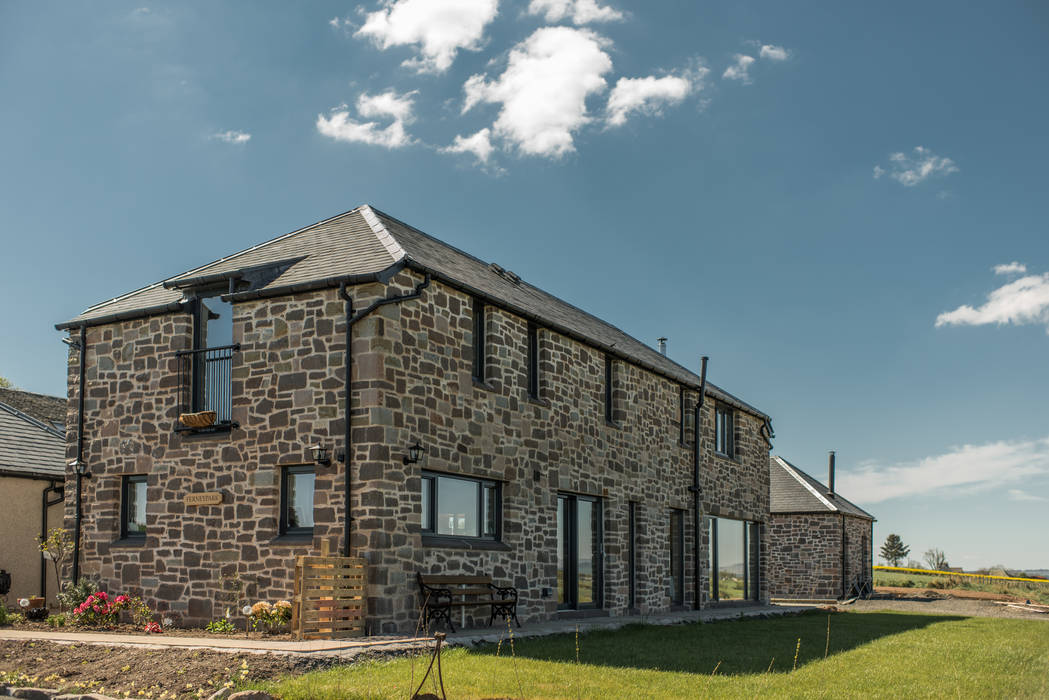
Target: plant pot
36, 602
203, 419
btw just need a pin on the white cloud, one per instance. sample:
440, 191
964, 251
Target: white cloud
580, 11
390, 104
479, 144
774, 53
740, 70
439, 27
232, 136
909, 170
969, 468
1022, 301
544, 88
647, 95
1013, 268
1021, 495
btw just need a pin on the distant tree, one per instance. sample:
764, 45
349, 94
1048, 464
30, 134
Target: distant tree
894, 550
914, 564
5, 383
936, 559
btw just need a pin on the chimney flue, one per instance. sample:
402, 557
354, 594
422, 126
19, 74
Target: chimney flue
662, 346
830, 474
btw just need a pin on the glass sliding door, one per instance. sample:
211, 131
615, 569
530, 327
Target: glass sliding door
578, 552
733, 559
677, 557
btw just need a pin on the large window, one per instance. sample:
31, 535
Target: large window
206, 371
133, 507
296, 501
579, 563
677, 557
479, 345
457, 506
733, 562
533, 361
724, 431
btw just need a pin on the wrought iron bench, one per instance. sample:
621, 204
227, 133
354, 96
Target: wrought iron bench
441, 594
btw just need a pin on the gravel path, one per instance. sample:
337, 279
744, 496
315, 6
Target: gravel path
946, 606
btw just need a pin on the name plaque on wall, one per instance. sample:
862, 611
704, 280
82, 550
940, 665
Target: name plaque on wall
205, 498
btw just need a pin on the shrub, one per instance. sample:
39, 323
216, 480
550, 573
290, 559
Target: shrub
269, 617
73, 595
56, 621
221, 626
141, 614
98, 610
5, 617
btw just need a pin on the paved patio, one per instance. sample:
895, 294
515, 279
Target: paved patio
349, 648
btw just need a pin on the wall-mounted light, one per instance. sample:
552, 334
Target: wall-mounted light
413, 453
320, 455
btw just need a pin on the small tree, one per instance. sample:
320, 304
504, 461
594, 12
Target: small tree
894, 550
5, 383
936, 559
58, 546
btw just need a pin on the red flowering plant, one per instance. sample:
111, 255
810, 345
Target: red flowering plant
98, 610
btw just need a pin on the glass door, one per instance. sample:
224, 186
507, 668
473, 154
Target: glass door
578, 552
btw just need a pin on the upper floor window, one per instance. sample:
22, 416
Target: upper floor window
460, 506
133, 506
479, 344
206, 371
724, 431
533, 361
296, 500
610, 379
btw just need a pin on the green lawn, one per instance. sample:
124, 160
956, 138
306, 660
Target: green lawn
881, 654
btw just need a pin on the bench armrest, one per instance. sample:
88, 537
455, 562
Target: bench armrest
505, 592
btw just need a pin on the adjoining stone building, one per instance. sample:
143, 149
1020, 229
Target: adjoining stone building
819, 542
32, 479
554, 451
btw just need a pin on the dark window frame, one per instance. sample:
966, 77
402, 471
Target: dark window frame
610, 379
126, 483
677, 564
430, 528
724, 431
533, 361
681, 415
568, 548
480, 345
285, 472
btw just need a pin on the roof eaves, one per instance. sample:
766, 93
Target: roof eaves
33, 421
121, 316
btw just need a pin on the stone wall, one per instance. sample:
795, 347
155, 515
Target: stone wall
806, 548
412, 382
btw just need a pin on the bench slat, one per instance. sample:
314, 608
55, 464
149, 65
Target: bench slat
434, 580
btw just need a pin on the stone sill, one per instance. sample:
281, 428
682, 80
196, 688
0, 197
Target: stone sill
129, 542
478, 384
613, 424
469, 543
224, 429
536, 401
292, 541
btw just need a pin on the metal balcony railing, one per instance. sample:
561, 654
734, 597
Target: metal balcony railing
205, 382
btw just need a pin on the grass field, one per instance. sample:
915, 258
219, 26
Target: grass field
881, 654
1036, 592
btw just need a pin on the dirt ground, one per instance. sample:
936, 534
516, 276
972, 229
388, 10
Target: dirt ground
168, 632
154, 673
935, 602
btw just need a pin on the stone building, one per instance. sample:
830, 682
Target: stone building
819, 542
494, 428
32, 478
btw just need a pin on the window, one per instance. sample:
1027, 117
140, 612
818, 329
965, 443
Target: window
579, 563
133, 507
479, 340
458, 506
206, 371
296, 501
677, 557
724, 437
533, 361
681, 415
734, 555
610, 376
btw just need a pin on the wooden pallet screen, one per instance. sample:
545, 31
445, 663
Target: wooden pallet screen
329, 597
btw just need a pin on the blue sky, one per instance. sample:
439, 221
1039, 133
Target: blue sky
799, 192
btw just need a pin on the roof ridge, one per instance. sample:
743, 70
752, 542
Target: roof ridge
392, 246
30, 419
793, 471
528, 284
219, 260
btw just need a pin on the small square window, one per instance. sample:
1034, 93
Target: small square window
296, 501
133, 507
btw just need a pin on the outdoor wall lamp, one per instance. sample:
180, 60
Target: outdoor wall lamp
320, 455
413, 453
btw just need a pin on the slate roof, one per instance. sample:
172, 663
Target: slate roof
366, 243
29, 446
49, 409
793, 491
